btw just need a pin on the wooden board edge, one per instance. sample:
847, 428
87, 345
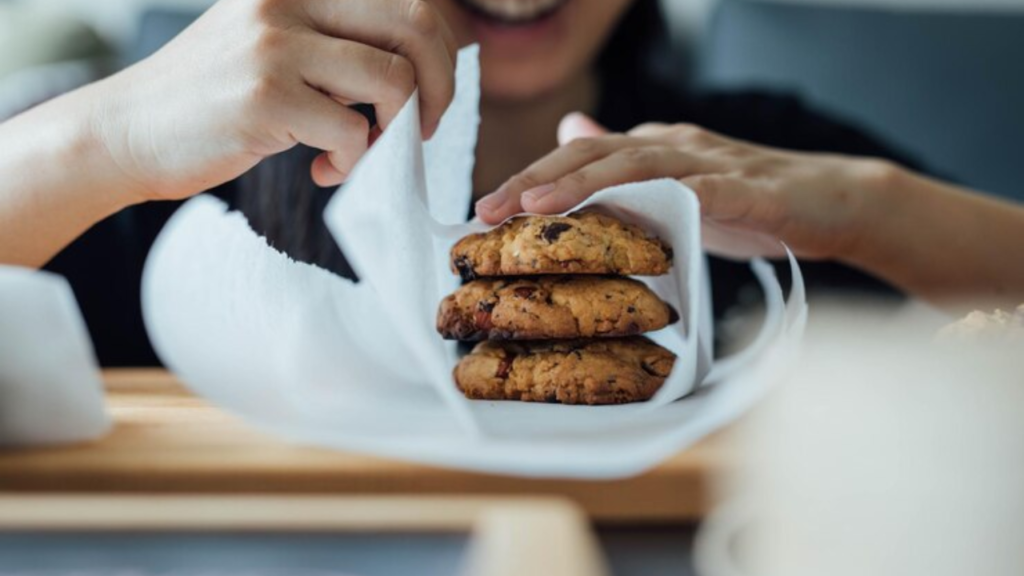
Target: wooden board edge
509, 535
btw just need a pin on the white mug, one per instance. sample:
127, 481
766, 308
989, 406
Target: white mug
887, 454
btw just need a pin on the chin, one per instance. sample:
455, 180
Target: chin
521, 84
531, 48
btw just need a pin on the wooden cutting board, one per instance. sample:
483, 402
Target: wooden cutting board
167, 441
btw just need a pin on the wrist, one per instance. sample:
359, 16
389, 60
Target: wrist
884, 189
58, 179
100, 140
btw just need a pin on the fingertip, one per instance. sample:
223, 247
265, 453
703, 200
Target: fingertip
431, 112
384, 117
429, 121
538, 199
428, 130
485, 216
491, 215
324, 173
539, 205
574, 116
578, 125
373, 135
554, 202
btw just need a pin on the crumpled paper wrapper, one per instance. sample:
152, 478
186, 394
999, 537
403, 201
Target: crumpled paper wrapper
313, 357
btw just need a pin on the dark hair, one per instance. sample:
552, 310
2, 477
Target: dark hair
282, 202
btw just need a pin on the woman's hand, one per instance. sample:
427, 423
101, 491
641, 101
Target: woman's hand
249, 79
253, 78
751, 196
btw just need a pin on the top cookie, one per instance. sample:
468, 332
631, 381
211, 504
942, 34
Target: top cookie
580, 243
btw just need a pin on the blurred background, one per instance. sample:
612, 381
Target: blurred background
939, 79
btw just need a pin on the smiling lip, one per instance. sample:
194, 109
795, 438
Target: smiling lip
512, 14
520, 27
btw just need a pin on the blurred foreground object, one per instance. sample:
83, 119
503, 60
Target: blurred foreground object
295, 536
887, 454
50, 389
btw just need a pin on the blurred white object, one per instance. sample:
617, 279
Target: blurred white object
50, 388
888, 454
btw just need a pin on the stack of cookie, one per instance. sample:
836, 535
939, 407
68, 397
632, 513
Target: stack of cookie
559, 320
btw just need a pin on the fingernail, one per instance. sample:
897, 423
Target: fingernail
375, 133
493, 201
536, 194
428, 130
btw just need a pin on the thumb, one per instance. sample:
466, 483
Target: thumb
578, 125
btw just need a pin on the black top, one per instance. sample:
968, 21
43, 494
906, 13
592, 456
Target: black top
105, 265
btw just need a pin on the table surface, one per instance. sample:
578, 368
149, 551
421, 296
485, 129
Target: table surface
167, 441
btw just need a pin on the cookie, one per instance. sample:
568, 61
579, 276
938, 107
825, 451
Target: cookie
545, 307
600, 371
580, 243
988, 328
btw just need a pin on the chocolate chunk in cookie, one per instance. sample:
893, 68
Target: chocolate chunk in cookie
580, 243
543, 307
604, 371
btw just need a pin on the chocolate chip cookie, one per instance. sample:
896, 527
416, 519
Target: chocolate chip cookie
601, 371
544, 307
580, 243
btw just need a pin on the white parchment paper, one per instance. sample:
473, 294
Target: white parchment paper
359, 366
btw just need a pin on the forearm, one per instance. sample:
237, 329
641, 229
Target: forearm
56, 177
945, 244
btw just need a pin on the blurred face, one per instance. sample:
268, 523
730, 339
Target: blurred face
532, 47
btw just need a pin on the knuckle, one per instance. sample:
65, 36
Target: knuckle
648, 128
638, 156
423, 21
882, 174
639, 161
270, 40
736, 152
341, 162
397, 75
266, 10
692, 133
574, 181
354, 125
266, 92
703, 184
585, 147
525, 181
706, 188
